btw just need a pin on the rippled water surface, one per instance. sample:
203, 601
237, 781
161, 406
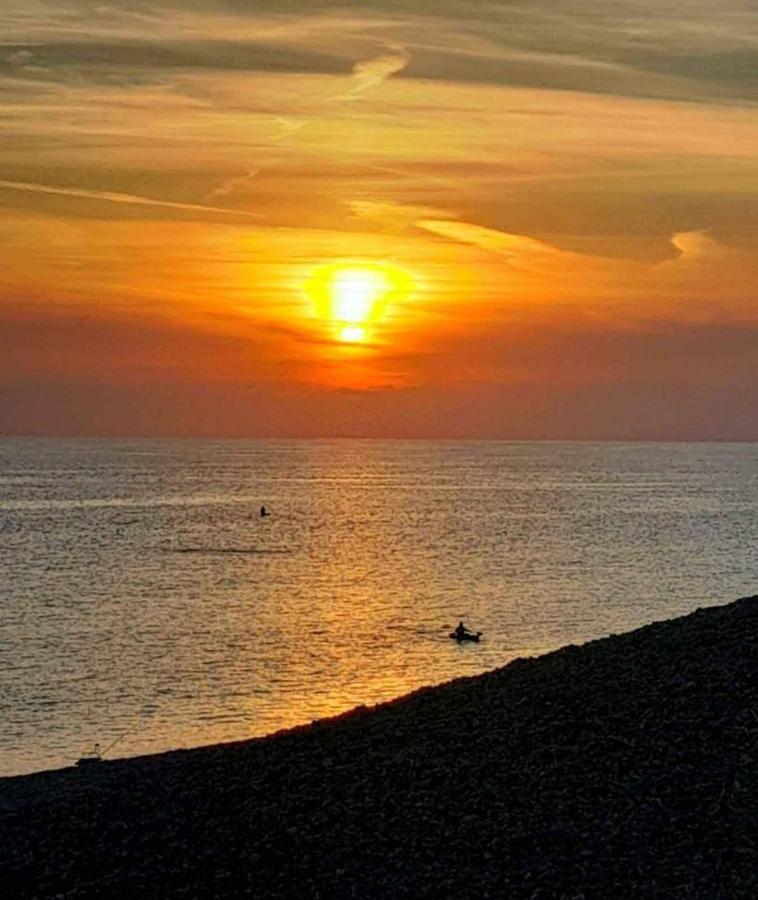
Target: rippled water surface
144, 599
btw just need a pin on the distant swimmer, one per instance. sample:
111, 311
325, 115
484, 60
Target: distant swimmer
264, 512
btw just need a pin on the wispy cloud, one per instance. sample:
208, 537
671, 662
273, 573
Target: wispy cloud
229, 186
695, 245
371, 73
625, 47
366, 76
514, 247
394, 215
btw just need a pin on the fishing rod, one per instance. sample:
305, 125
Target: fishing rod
97, 755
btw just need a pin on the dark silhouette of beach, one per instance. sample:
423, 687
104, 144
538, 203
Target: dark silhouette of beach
626, 767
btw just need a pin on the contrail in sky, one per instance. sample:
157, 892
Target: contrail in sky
117, 197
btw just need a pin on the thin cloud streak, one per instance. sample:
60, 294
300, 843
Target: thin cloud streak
512, 246
116, 197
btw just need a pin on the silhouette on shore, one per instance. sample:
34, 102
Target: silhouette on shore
93, 756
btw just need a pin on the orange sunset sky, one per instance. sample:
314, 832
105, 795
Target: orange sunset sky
379, 218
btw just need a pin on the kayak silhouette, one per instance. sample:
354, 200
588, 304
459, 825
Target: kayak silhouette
465, 636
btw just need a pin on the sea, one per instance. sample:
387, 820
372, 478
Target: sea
145, 604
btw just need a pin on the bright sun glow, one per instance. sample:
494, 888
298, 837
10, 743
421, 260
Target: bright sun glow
352, 334
352, 297
354, 292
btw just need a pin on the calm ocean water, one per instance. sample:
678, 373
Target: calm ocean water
143, 597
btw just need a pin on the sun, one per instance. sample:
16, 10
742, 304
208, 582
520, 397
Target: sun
352, 334
352, 297
354, 292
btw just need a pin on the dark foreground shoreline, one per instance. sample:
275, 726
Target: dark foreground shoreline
627, 767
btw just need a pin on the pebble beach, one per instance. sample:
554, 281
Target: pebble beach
625, 767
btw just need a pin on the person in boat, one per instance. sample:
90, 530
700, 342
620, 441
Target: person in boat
264, 511
460, 632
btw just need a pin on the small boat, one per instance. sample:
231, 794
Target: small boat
466, 636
